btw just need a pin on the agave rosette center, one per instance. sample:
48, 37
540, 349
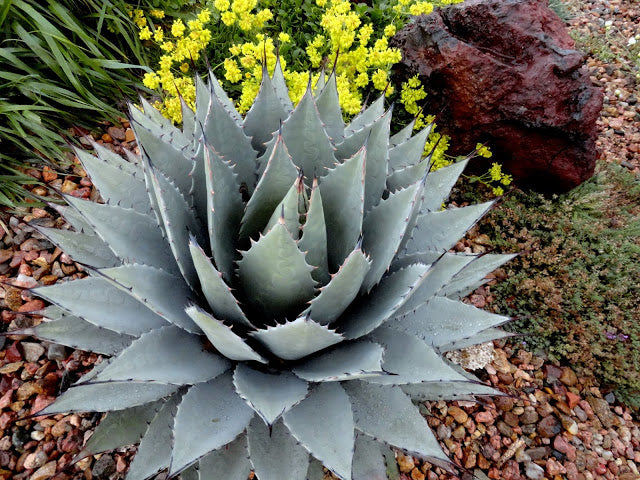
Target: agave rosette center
273, 290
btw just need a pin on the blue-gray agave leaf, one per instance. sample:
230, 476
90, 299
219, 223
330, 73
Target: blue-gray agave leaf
275, 454
274, 290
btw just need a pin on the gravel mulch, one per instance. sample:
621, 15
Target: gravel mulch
609, 29
552, 425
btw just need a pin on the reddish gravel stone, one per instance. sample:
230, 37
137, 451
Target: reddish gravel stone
484, 417
32, 306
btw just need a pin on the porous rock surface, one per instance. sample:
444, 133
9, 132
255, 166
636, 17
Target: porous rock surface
505, 73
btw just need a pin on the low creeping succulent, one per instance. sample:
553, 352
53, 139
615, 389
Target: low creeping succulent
272, 290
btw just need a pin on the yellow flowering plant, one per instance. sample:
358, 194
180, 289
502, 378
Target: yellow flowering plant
237, 36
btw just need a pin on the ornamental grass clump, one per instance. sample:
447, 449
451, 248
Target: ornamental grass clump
273, 290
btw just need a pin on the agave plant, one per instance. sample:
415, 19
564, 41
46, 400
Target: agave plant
273, 291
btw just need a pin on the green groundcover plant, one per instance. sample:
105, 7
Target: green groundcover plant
273, 289
61, 63
575, 286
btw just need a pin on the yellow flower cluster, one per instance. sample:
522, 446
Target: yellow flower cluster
240, 13
483, 151
494, 178
412, 7
357, 61
185, 47
411, 93
138, 17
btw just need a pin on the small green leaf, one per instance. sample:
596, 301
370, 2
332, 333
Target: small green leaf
327, 405
343, 287
183, 360
275, 182
314, 237
328, 105
218, 294
265, 115
274, 276
224, 211
383, 230
297, 339
387, 414
342, 192
345, 362
306, 138
222, 338
269, 394
210, 416
274, 453
105, 397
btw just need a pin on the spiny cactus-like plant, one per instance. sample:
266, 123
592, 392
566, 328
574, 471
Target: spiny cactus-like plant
273, 290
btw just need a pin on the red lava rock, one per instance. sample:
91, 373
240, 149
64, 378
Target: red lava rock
506, 73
